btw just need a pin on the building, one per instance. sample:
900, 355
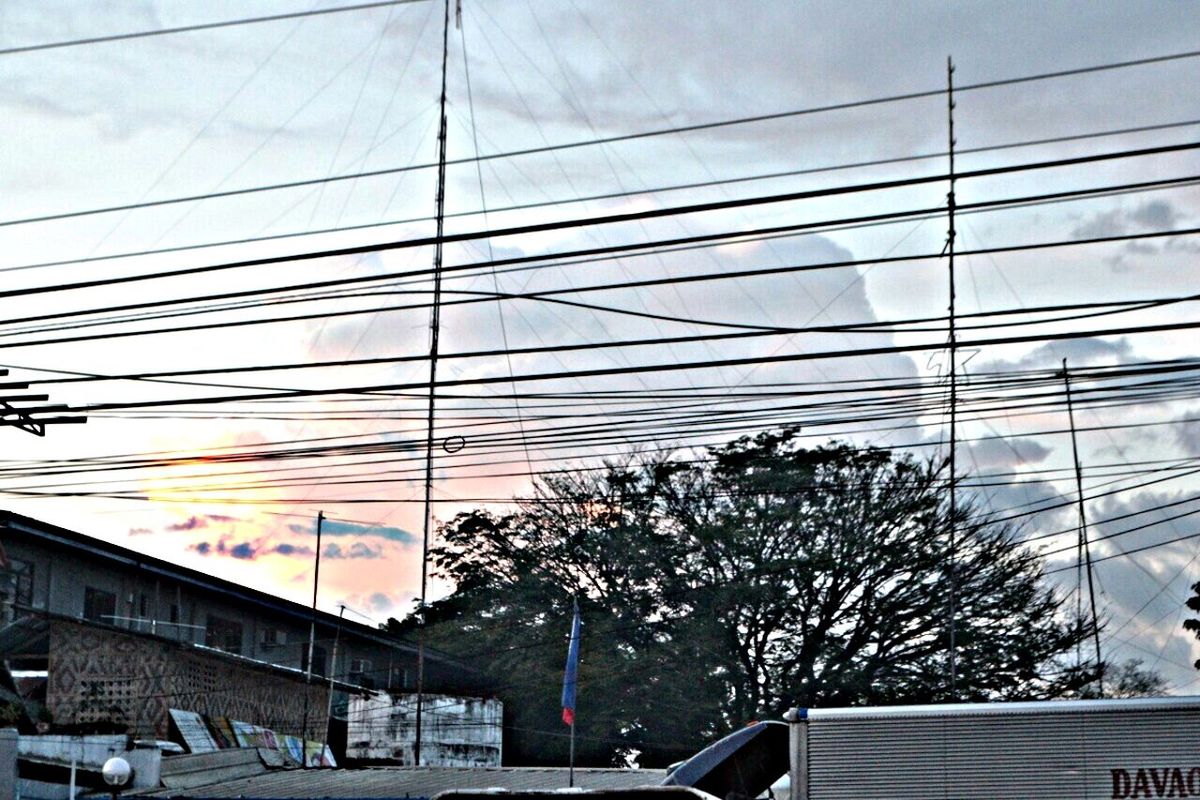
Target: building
122, 638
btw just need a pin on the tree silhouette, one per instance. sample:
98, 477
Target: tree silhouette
720, 591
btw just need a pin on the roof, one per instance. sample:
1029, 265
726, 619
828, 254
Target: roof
124, 557
410, 782
994, 709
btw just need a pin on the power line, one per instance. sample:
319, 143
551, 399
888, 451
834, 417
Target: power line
204, 26
672, 367
633, 216
547, 203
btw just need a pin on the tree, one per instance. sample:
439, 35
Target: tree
766, 576
1193, 624
1130, 679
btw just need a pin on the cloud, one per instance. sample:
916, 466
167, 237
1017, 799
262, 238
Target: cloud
286, 549
1187, 434
380, 602
332, 527
355, 550
139, 531
192, 523
1078, 352
363, 550
1009, 452
1150, 217
1104, 223
254, 549
244, 550
1157, 215
221, 518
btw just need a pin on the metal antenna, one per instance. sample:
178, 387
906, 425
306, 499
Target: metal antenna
1084, 550
434, 330
953, 544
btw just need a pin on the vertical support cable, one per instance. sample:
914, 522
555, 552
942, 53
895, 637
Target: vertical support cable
953, 521
1084, 550
434, 330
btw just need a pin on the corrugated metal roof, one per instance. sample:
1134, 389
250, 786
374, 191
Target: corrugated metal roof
991, 709
410, 782
1008, 756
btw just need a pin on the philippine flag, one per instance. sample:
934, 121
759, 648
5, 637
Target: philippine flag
568, 693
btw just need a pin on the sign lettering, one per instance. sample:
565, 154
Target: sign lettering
1151, 783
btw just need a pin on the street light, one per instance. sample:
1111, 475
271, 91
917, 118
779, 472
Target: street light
116, 773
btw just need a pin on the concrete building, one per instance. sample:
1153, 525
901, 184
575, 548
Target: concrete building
458, 731
122, 637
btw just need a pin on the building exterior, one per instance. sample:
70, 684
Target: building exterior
458, 731
123, 637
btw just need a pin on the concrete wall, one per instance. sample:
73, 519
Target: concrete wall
455, 731
8, 764
104, 675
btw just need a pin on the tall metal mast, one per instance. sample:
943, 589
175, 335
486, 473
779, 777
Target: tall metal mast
434, 330
953, 521
1084, 548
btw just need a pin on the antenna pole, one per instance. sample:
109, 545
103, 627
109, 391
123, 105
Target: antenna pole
434, 330
1084, 549
312, 638
953, 522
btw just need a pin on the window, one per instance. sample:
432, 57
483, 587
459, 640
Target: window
143, 606
174, 613
223, 634
360, 672
318, 658
271, 637
99, 605
22, 577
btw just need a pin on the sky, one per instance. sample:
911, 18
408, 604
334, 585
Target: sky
92, 130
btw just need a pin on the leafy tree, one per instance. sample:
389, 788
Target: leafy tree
713, 593
1130, 679
1193, 624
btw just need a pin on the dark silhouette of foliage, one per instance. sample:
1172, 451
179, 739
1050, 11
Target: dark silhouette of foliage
1129, 679
715, 593
1193, 624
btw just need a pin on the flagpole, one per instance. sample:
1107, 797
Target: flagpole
571, 769
570, 675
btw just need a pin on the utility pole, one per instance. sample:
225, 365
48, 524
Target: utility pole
952, 622
312, 637
434, 330
1084, 550
333, 671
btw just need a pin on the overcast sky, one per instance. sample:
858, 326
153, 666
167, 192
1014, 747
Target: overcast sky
305, 99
